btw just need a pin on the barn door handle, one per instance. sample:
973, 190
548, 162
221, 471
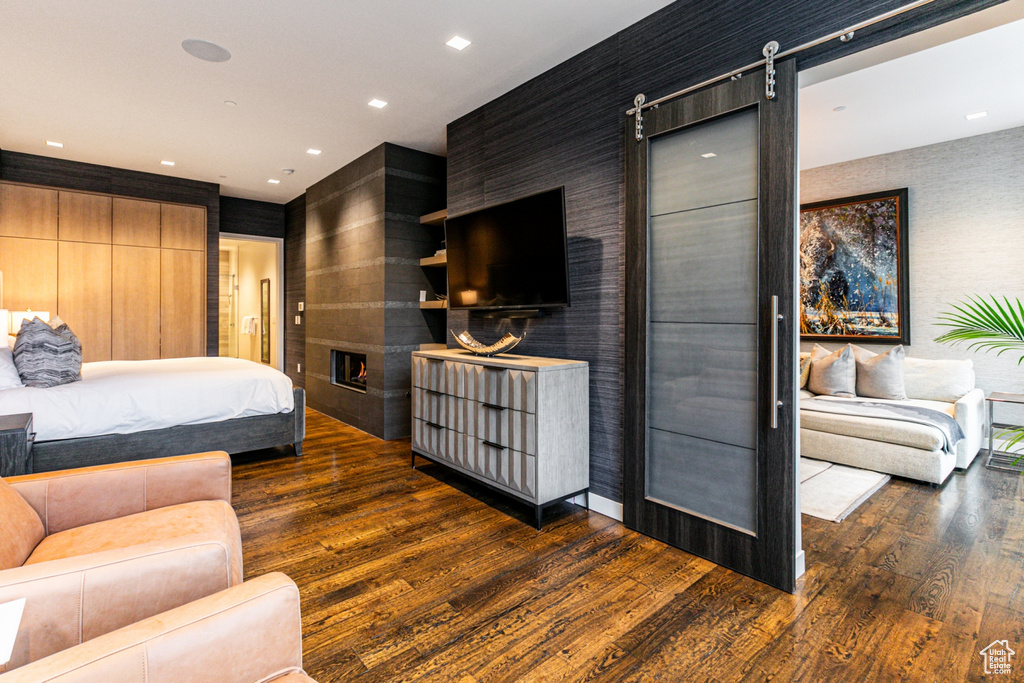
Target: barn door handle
776, 403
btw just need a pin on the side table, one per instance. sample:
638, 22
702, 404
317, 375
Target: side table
1002, 460
16, 438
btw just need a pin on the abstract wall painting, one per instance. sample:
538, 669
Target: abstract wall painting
854, 280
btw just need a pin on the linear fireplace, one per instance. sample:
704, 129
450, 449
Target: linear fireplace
348, 370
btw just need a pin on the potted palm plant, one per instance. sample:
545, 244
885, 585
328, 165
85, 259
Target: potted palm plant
989, 325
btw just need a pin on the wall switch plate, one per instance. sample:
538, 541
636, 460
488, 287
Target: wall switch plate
423, 295
299, 366
302, 306
298, 320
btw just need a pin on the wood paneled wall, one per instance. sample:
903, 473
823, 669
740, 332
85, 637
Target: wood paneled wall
93, 262
74, 175
565, 128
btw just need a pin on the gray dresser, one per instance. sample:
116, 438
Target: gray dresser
518, 424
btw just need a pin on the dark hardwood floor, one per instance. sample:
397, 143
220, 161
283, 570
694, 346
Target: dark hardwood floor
418, 576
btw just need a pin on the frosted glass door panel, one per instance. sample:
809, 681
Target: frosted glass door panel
702, 359
703, 381
708, 164
704, 265
702, 477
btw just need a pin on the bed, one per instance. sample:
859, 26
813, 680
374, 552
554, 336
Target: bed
128, 410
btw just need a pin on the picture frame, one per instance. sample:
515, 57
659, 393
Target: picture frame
854, 269
265, 321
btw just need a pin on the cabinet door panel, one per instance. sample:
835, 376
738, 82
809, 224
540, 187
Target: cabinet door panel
182, 303
28, 212
182, 227
135, 223
135, 303
84, 217
83, 295
30, 274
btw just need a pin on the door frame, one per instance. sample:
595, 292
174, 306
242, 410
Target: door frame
774, 554
279, 304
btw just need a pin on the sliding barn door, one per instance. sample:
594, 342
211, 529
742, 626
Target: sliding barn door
710, 436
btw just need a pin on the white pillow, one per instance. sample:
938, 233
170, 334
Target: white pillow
10, 340
938, 380
9, 377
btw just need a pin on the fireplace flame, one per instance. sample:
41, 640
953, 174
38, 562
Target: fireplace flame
361, 377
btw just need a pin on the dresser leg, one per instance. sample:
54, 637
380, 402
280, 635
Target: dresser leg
414, 460
540, 513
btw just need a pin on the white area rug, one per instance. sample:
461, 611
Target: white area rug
832, 492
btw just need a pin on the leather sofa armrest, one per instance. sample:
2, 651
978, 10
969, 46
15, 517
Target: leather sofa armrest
75, 599
251, 632
71, 498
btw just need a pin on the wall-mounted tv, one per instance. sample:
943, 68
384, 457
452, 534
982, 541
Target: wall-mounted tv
509, 257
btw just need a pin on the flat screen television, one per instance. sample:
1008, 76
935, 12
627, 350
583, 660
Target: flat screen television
509, 257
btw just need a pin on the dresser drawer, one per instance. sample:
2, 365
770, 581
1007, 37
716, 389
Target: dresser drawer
503, 426
428, 373
431, 438
430, 406
515, 389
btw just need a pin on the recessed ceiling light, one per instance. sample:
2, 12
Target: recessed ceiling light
51, 143
167, 163
458, 43
274, 181
230, 103
709, 155
205, 50
976, 115
379, 104
841, 107
314, 152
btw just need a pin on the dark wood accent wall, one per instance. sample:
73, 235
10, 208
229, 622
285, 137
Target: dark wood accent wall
75, 175
295, 289
565, 128
363, 245
250, 217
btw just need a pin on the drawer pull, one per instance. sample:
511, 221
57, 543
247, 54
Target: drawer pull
433, 424
494, 445
492, 406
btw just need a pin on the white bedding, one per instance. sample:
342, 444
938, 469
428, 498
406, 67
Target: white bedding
122, 397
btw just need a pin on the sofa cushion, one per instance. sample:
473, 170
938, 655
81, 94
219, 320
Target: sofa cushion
938, 380
880, 375
199, 523
22, 530
873, 429
833, 374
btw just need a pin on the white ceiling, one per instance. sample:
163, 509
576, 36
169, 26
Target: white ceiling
111, 81
916, 91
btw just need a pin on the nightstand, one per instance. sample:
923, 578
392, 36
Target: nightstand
16, 438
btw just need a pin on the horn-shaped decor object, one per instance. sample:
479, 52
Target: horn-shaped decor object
506, 343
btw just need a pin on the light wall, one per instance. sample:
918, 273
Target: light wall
256, 261
966, 212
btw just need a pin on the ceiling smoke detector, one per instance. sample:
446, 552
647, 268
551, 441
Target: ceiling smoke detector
205, 50
287, 171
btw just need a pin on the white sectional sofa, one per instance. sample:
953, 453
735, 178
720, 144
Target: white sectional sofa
899, 448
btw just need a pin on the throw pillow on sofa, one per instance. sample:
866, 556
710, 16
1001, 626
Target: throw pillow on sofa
805, 369
938, 380
833, 374
880, 375
47, 354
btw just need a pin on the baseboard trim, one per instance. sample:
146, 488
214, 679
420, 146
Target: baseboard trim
800, 560
602, 505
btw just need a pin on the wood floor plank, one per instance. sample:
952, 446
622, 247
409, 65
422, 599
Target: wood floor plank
420, 575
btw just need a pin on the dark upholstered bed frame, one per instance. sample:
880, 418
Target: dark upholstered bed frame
234, 436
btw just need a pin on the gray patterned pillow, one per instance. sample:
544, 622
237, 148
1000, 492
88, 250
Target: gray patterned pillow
47, 354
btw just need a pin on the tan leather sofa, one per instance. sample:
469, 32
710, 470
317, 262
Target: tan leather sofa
98, 548
247, 633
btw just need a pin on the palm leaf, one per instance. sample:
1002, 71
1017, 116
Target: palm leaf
985, 325
1012, 438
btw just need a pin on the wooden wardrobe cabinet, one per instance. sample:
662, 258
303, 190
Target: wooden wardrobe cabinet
127, 275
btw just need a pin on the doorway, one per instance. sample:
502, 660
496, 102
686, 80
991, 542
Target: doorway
250, 321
